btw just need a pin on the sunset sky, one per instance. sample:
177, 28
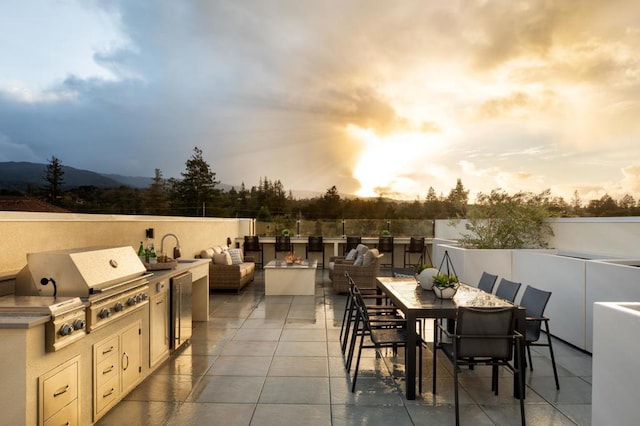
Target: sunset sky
374, 97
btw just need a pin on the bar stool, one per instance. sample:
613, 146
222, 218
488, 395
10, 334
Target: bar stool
252, 245
416, 246
315, 245
385, 245
283, 244
352, 242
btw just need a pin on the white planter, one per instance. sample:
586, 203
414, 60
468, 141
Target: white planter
445, 293
425, 278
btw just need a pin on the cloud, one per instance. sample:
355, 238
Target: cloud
501, 93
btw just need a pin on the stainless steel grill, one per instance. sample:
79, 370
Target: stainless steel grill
108, 282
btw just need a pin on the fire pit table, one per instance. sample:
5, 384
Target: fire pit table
290, 279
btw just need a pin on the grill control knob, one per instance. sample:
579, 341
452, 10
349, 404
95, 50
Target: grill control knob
104, 313
78, 324
144, 296
131, 301
138, 298
119, 307
65, 330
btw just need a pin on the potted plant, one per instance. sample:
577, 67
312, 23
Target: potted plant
385, 233
286, 232
425, 274
445, 285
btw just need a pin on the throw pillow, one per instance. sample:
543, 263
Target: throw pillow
236, 256
351, 255
222, 258
361, 249
207, 253
218, 249
370, 257
359, 261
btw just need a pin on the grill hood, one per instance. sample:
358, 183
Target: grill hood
78, 272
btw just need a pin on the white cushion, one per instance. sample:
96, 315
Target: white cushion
222, 258
236, 256
370, 257
207, 253
351, 255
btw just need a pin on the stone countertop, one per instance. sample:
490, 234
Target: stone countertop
183, 266
22, 321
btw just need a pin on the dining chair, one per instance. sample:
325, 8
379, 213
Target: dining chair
315, 245
283, 244
392, 335
349, 314
252, 244
415, 246
385, 245
535, 302
483, 336
508, 289
487, 281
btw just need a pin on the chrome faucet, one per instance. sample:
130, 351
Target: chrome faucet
176, 249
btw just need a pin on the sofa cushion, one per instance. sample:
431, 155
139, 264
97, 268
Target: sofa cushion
351, 255
207, 253
361, 249
236, 256
218, 249
370, 257
222, 258
359, 261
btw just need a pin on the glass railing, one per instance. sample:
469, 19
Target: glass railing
339, 227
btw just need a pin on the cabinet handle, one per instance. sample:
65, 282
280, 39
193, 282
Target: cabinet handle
125, 356
108, 393
61, 391
107, 351
108, 370
159, 302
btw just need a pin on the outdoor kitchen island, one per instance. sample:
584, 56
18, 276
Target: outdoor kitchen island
77, 381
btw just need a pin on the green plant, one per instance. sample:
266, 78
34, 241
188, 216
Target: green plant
385, 233
422, 267
502, 221
445, 280
286, 232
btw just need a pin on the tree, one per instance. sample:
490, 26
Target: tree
458, 199
156, 196
191, 195
54, 175
503, 221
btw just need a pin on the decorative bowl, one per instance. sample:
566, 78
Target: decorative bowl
425, 278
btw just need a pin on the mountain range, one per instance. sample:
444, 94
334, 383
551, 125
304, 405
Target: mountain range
19, 176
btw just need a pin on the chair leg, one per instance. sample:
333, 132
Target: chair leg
347, 318
530, 359
433, 364
553, 359
354, 336
355, 373
455, 392
519, 372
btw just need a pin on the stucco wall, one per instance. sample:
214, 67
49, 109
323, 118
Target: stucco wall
22, 233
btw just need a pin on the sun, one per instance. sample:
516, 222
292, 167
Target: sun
390, 165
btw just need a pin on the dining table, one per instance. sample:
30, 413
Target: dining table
417, 303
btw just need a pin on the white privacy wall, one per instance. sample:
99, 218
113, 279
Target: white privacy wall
565, 278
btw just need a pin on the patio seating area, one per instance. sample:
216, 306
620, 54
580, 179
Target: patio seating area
277, 360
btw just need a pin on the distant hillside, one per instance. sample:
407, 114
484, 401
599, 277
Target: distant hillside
19, 175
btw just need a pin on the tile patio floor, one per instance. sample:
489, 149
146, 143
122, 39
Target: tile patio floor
276, 361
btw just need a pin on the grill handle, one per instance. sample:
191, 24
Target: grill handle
94, 290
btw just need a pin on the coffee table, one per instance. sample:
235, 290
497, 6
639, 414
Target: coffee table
297, 279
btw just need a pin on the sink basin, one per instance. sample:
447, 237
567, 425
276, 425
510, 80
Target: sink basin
187, 260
